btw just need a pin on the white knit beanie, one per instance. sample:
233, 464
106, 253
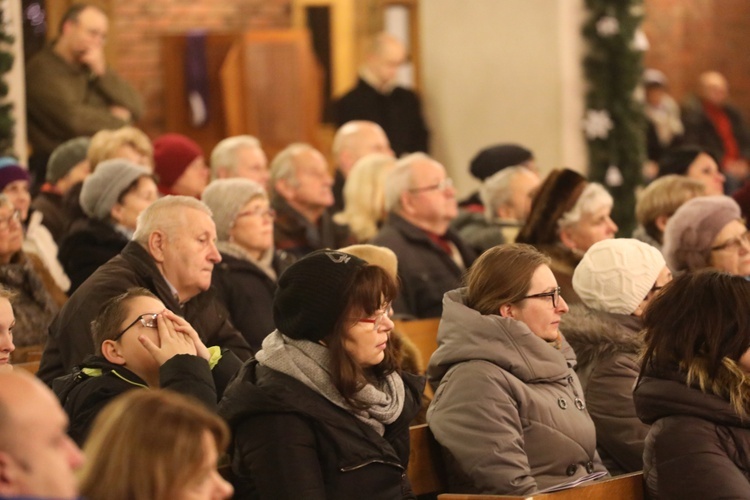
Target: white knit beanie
616, 275
226, 197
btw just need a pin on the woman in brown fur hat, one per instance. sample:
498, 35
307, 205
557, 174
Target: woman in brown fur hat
568, 215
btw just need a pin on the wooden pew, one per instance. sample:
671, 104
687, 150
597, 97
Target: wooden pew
426, 472
422, 333
626, 487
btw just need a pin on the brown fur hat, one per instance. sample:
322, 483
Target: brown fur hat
556, 196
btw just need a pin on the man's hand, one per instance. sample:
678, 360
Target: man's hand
181, 325
94, 59
171, 341
121, 112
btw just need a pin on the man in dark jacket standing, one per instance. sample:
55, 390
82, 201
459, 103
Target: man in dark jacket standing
172, 254
379, 99
421, 203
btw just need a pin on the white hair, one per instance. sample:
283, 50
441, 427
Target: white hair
224, 154
593, 197
399, 180
496, 190
347, 135
283, 166
166, 214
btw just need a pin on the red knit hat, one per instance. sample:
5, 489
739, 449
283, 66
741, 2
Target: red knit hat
172, 155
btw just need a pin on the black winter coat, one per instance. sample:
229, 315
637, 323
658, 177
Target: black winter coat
89, 244
84, 394
426, 271
70, 333
292, 443
247, 292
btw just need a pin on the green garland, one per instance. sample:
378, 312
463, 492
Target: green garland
614, 122
7, 123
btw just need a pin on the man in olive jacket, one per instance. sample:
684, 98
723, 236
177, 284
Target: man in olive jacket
172, 254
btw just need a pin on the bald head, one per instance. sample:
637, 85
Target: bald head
356, 139
37, 458
385, 55
714, 87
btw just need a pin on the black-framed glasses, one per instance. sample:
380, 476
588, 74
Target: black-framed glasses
554, 295
440, 186
148, 320
377, 319
734, 243
15, 216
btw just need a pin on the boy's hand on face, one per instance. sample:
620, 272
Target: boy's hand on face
171, 341
181, 325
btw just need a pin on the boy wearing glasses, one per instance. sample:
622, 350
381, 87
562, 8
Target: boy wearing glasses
140, 344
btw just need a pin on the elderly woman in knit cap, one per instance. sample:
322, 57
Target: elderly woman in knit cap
568, 215
37, 240
616, 280
180, 166
694, 163
112, 198
323, 410
245, 279
67, 166
37, 299
707, 232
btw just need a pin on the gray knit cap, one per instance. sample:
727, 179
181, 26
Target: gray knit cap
101, 189
66, 156
692, 229
226, 197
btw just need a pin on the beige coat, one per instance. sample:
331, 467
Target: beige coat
508, 409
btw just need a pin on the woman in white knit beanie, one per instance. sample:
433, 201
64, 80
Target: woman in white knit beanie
616, 279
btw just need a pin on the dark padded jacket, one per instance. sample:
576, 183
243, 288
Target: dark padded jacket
291, 443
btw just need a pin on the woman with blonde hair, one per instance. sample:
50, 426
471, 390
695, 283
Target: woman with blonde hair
156, 445
509, 410
694, 388
364, 198
128, 143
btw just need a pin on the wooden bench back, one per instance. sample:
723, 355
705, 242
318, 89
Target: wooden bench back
426, 471
626, 487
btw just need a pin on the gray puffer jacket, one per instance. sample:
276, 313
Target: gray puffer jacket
508, 408
607, 347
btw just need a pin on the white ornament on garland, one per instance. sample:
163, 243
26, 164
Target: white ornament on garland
607, 26
640, 42
613, 177
597, 124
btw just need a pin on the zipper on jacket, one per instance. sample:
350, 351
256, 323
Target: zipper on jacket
370, 462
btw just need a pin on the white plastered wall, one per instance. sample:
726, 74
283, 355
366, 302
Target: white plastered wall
503, 71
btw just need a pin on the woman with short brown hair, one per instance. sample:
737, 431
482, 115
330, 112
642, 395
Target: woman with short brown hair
508, 408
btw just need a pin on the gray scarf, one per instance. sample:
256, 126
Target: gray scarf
309, 363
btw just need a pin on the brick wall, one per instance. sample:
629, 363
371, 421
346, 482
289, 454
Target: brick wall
137, 25
689, 37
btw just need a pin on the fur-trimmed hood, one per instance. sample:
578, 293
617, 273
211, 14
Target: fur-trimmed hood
596, 335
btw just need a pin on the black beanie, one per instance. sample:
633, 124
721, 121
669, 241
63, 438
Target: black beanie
312, 294
677, 160
490, 161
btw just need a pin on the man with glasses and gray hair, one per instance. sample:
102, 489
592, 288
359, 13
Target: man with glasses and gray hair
421, 203
240, 156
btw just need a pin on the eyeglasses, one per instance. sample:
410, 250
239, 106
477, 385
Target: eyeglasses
15, 216
377, 319
258, 212
734, 243
441, 186
147, 320
554, 294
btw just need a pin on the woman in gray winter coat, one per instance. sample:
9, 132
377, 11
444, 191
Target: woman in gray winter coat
508, 408
616, 280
